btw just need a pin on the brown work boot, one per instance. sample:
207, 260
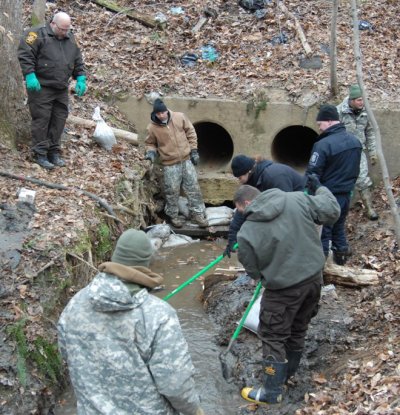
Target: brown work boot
176, 222
200, 220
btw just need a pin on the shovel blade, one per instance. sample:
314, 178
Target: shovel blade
228, 363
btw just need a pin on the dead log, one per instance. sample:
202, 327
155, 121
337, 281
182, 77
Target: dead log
141, 18
123, 134
349, 277
298, 28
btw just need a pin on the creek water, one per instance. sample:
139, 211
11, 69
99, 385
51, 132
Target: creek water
177, 265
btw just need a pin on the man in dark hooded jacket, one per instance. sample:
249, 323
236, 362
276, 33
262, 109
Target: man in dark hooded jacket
279, 244
263, 175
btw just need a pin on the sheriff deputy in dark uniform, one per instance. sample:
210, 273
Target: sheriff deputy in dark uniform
49, 56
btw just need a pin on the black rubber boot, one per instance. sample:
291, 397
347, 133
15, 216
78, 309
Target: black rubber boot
275, 374
340, 257
43, 162
55, 159
293, 357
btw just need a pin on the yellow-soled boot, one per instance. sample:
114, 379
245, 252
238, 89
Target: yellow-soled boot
275, 374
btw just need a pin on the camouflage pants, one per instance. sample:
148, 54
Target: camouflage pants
182, 175
363, 181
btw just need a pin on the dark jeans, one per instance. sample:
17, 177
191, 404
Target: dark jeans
285, 315
49, 111
337, 232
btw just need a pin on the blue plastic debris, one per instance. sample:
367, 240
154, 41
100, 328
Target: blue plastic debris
209, 53
280, 39
365, 25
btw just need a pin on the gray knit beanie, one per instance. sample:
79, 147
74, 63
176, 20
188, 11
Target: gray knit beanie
133, 249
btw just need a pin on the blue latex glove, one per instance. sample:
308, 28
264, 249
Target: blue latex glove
80, 87
32, 83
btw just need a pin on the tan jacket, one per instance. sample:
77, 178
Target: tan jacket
173, 141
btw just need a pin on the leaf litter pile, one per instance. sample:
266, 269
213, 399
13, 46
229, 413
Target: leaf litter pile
124, 56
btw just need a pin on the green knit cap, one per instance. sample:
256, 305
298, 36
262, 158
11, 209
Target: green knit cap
355, 92
133, 249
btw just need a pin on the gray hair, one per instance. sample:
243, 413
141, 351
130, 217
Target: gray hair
245, 193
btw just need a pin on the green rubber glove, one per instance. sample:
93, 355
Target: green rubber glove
80, 86
32, 83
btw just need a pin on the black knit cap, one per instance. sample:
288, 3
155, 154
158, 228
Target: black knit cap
241, 165
328, 112
159, 106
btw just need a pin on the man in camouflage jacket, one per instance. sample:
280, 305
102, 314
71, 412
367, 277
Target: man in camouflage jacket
355, 118
124, 347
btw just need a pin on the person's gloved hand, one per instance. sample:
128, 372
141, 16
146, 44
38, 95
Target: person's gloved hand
150, 155
228, 251
80, 87
32, 83
194, 157
373, 158
312, 184
199, 411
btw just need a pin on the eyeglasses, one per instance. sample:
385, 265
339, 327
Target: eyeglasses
61, 29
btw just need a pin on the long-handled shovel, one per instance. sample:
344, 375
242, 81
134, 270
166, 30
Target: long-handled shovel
224, 356
201, 272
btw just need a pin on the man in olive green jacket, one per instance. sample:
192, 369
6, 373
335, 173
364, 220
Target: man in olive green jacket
173, 137
279, 244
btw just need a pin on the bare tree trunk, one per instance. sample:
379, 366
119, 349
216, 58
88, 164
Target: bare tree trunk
333, 51
371, 116
14, 118
38, 12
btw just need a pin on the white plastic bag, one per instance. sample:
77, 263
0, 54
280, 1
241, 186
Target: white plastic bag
221, 215
103, 134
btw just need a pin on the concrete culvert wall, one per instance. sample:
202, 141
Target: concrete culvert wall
215, 145
293, 146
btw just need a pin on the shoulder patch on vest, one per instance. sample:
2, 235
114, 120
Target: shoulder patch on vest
30, 39
314, 158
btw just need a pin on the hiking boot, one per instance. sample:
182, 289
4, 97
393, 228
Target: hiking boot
176, 222
275, 375
44, 162
200, 220
56, 159
367, 201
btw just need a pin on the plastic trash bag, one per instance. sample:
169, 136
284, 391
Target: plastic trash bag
176, 10
280, 39
103, 134
161, 231
365, 25
253, 318
253, 5
178, 240
221, 215
189, 59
